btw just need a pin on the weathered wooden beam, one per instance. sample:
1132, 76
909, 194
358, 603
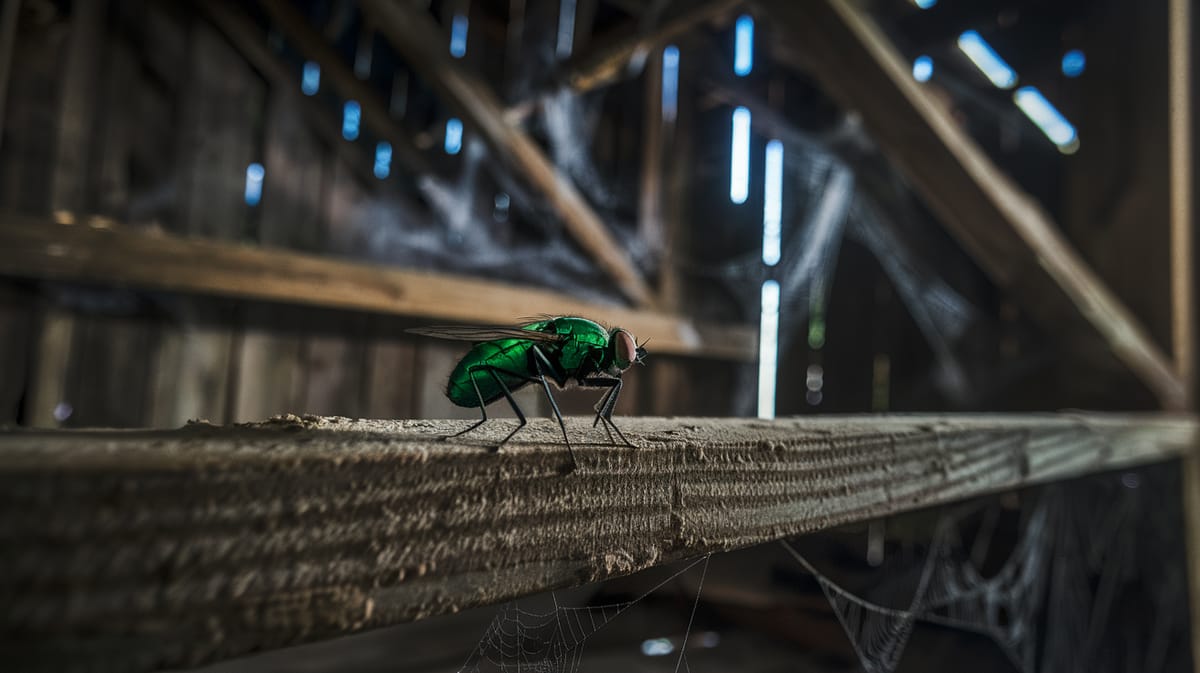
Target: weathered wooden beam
414, 34
1180, 59
114, 255
611, 59
146, 550
376, 116
1006, 232
608, 60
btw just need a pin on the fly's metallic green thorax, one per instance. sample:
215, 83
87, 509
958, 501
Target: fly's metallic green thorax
559, 350
584, 342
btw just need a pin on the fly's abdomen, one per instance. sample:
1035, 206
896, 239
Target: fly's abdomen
507, 358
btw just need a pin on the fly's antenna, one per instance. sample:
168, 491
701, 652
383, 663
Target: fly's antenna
641, 352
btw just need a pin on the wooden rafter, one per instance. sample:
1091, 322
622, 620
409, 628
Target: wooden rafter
155, 550
120, 256
605, 63
1006, 232
609, 60
415, 35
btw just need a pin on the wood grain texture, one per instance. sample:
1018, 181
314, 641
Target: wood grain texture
119, 256
140, 550
1008, 234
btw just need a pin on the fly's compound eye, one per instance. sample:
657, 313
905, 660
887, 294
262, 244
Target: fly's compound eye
625, 351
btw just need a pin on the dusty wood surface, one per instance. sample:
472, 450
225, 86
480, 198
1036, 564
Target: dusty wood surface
1009, 235
414, 34
138, 550
122, 257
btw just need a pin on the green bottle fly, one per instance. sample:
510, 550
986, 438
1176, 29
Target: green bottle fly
563, 350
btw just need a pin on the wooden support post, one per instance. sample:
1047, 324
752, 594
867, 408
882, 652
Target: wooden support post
68, 180
1183, 273
414, 34
8, 40
152, 550
121, 257
1008, 234
1183, 219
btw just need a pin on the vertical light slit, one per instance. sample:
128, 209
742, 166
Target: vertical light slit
739, 166
670, 83
768, 348
773, 204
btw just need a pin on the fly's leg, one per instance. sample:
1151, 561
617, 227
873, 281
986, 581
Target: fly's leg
542, 364
482, 406
607, 404
511, 402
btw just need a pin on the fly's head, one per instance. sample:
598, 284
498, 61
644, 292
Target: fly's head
624, 351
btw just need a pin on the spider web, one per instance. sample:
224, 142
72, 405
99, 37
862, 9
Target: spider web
1062, 599
553, 641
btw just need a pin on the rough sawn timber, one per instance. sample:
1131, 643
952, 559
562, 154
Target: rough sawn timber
140, 550
101, 252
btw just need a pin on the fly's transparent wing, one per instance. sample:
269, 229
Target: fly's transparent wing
480, 333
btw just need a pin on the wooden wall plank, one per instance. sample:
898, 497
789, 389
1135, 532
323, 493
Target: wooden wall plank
222, 100
271, 358
17, 322
391, 369
67, 196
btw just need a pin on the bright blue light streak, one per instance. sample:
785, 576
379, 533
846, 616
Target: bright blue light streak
670, 83
987, 60
454, 135
923, 68
254, 183
768, 348
739, 160
925, 4
743, 45
1048, 118
383, 159
773, 204
657, 647
1074, 62
310, 81
458, 36
566, 28
351, 118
